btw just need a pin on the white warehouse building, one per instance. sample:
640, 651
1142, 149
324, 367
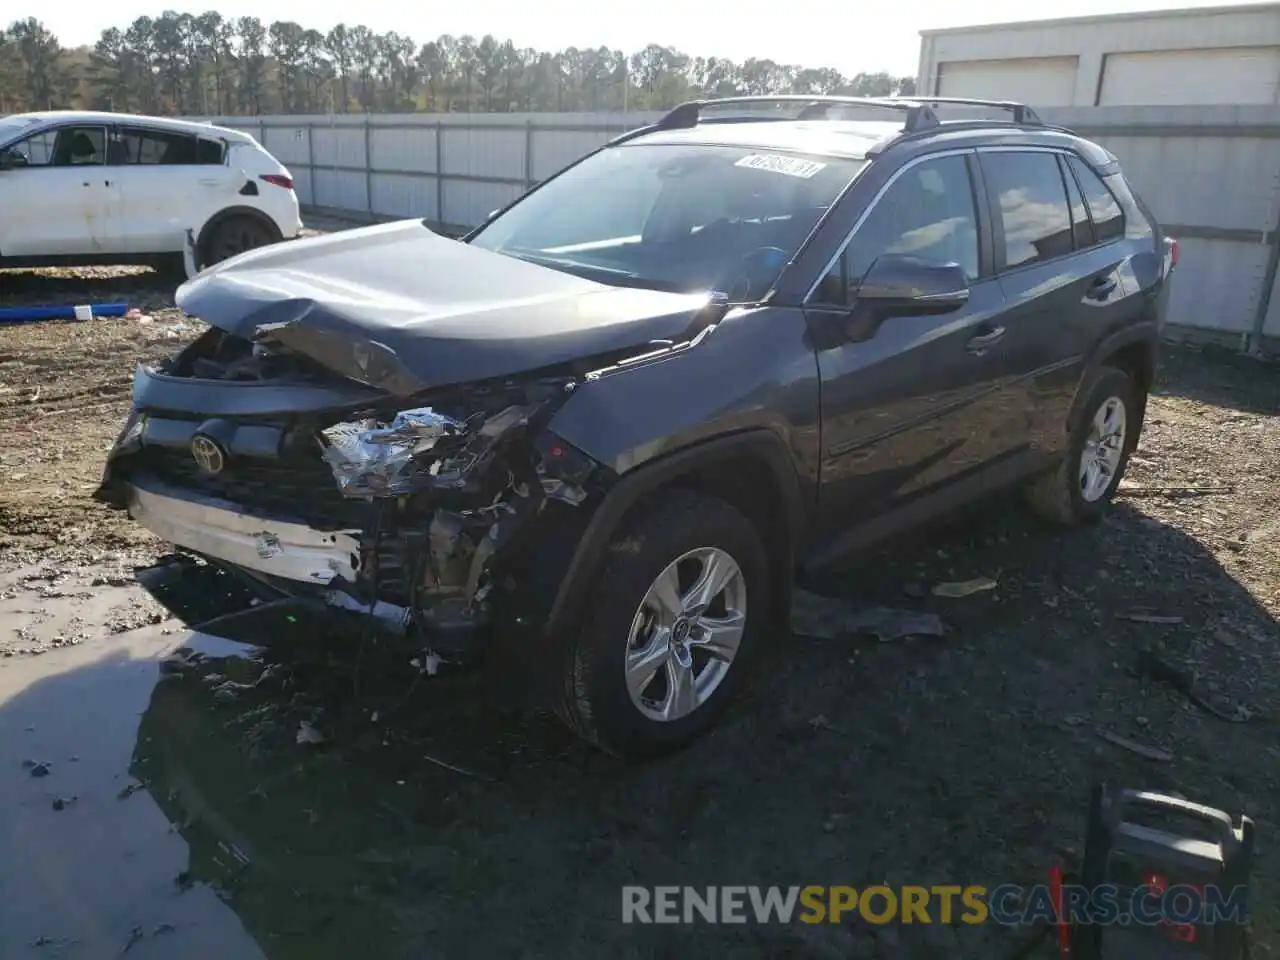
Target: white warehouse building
1205, 56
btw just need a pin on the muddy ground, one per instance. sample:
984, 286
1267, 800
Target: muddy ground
179, 815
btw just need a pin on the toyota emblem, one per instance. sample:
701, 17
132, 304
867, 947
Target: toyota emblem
208, 455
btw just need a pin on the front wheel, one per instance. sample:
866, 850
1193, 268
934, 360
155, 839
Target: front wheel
674, 628
1084, 484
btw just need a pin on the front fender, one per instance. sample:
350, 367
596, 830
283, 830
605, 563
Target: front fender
605, 522
748, 386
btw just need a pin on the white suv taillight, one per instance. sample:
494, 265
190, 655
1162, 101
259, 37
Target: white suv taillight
1170, 254
278, 180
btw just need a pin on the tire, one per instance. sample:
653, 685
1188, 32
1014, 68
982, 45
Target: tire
232, 236
596, 699
1066, 496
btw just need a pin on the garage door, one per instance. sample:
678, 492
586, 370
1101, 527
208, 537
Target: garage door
1239, 75
1041, 82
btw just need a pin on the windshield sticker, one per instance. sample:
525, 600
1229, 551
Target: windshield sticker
788, 166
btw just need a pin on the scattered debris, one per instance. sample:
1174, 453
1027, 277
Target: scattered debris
181, 660
965, 588
428, 664
135, 935
829, 619
1151, 664
1151, 753
37, 768
456, 769
309, 734
61, 803
1139, 617
129, 791
1138, 490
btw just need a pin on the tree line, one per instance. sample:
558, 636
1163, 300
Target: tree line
205, 64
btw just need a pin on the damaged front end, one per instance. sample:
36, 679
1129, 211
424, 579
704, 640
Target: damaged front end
429, 513
366, 424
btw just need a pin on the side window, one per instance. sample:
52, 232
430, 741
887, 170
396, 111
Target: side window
1108, 218
927, 212
1080, 224
209, 152
155, 147
64, 147
1031, 202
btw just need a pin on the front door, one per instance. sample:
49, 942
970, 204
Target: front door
61, 197
919, 403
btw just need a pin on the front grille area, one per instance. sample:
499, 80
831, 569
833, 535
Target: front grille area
301, 487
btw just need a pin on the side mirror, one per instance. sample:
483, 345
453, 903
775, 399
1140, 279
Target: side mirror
491, 214
898, 285
901, 286
10, 159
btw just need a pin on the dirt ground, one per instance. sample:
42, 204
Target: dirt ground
441, 817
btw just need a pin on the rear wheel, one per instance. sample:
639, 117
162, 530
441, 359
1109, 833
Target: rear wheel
1084, 484
233, 236
675, 626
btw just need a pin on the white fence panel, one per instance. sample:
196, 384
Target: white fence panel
1210, 174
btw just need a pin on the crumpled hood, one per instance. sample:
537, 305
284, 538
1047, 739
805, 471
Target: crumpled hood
401, 308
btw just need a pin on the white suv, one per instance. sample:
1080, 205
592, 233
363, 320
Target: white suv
81, 188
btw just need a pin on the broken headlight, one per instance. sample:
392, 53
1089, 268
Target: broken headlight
373, 460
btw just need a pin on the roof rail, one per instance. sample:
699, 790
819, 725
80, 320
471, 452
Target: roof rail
1022, 114
919, 115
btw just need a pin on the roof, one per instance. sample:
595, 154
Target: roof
101, 116
833, 138
1128, 15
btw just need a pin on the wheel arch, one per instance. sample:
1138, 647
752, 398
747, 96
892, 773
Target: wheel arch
753, 470
1135, 350
228, 213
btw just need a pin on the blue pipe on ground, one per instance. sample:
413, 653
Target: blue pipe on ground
68, 312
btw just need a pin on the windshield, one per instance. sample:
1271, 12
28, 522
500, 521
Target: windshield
11, 127
685, 218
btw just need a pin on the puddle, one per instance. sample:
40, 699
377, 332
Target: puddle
88, 878
181, 814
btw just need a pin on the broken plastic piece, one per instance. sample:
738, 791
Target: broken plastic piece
372, 461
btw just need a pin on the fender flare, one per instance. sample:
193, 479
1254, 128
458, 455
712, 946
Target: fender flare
1146, 332
760, 443
225, 214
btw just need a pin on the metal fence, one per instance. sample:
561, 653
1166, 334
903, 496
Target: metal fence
1210, 174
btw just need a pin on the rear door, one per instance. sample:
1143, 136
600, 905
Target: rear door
171, 181
918, 403
1061, 275
63, 199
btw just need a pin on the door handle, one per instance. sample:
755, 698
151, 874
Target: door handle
1102, 287
983, 341
208, 182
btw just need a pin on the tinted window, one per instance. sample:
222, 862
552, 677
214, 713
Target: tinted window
209, 152
1079, 214
674, 216
1029, 195
64, 147
136, 145
1108, 219
927, 212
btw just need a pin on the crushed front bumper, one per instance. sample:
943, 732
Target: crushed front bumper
223, 531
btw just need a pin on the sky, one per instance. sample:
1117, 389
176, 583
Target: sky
816, 33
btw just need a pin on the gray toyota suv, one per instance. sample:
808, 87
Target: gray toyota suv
599, 436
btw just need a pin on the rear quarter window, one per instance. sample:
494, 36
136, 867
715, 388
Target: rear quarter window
1104, 208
